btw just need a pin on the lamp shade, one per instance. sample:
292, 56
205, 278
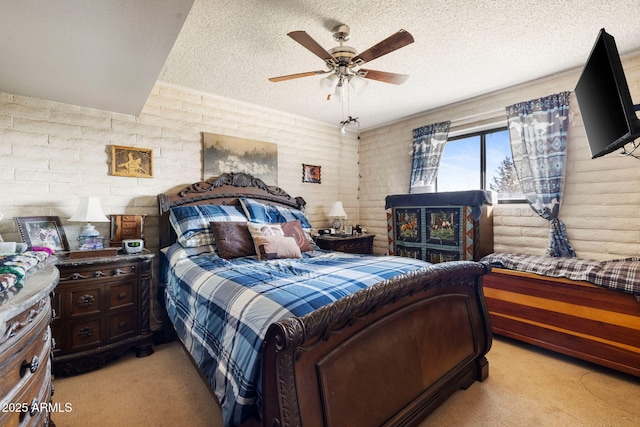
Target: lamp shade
89, 210
337, 210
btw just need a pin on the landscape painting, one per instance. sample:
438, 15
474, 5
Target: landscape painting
222, 154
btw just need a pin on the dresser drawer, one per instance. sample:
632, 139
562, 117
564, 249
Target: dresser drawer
97, 272
121, 296
122, 325
30, 406
26, 358
85, 334
84, 301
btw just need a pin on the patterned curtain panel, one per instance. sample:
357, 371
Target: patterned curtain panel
428, 146
538, 133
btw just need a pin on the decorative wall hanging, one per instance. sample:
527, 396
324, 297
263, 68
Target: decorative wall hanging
311, 173
131, 161
43, 231
224, 154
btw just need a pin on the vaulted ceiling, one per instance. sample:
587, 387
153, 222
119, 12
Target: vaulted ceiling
109, 54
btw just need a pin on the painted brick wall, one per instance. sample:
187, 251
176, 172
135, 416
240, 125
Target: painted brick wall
601, 205
52, 153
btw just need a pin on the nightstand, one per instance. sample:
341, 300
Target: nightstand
362, 244
101, 310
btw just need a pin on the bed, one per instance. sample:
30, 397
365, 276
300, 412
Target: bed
582, 308
388, 340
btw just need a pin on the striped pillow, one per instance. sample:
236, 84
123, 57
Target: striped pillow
268, 214
192, 224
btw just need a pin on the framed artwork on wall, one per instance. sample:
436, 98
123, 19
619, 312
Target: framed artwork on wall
311, 173
223, 154
131, 161
43, 231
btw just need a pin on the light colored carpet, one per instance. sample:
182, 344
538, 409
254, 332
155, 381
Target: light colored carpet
526, 387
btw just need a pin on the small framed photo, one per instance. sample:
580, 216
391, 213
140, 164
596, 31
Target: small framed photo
131, 161
43, 231
311, 173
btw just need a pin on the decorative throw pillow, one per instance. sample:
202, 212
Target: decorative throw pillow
273, 247
270, 214
271, 243
192, 223
294, 229
233, 239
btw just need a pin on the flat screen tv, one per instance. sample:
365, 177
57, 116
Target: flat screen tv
605, 103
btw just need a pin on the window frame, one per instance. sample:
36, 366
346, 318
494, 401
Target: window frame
483, 157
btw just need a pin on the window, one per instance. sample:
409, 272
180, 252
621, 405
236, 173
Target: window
480, 161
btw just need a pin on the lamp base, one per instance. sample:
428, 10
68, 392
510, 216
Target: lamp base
336, 225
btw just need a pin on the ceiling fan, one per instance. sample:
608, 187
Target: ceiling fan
343, 62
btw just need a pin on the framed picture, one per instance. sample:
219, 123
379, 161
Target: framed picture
311, 173
43, 231
222, 153
131, 161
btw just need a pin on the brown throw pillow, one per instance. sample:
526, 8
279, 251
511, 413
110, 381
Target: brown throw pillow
294, 229
232, 239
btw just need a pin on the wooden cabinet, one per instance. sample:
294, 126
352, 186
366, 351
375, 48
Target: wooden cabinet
25, 349
362, 244
125, 227
437, 227
101, 310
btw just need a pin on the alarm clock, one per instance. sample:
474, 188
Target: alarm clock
132, 246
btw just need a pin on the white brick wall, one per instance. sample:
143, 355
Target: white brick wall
601, 205
52, 153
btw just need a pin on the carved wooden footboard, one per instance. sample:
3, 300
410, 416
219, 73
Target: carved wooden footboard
387, 355
578, 319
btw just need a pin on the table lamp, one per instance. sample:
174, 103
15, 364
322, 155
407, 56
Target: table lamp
89, 210
336, 212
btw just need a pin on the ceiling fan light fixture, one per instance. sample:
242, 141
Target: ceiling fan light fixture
358, 84
338, 95
330, 82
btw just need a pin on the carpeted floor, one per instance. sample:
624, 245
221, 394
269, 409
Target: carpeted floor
526, 387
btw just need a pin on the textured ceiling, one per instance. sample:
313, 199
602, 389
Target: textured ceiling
230, 48
462, 49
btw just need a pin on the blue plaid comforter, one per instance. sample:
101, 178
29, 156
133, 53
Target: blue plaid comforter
221, 308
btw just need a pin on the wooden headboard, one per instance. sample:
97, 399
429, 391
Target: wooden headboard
226, 189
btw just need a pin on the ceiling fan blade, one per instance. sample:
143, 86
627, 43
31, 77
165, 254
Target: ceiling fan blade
383, 76
296, 76
305, 40
391, 43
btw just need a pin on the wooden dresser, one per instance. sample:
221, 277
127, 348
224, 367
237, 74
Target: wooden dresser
101, 310
25, 351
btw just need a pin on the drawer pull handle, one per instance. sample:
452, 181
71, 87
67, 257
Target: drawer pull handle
86, 332
122, 324
33, 409
31, 366
85, 301
122, 295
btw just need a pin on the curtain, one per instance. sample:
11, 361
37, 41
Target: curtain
427, 148
538, 134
